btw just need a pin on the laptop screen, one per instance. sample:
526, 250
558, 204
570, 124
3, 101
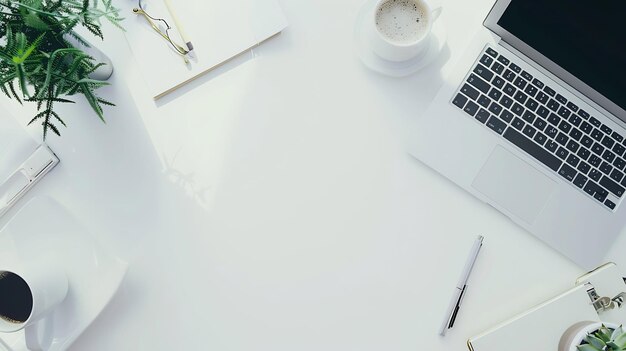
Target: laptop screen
586, 38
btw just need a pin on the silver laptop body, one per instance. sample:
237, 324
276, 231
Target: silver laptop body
505, 149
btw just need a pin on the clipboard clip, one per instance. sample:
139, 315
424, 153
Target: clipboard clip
604, 303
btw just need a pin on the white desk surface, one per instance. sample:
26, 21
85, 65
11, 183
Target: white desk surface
273, 206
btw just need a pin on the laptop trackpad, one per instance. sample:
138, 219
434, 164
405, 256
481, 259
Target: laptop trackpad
514, 184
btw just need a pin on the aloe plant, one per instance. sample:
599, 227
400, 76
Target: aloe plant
605, 339
37, 62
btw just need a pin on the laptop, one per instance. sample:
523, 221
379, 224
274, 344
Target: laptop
532, 121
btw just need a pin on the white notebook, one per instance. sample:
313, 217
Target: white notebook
549, 320
219, 30
546, 323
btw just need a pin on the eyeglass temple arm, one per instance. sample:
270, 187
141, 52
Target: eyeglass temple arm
178, 48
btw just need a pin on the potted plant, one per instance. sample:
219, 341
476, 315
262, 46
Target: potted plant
593, 336
40, 59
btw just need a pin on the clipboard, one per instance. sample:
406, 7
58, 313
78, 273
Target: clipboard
598, 296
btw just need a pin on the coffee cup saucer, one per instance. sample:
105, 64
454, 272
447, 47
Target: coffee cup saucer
43, 227
386, 67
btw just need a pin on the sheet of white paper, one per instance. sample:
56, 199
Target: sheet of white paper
219, 31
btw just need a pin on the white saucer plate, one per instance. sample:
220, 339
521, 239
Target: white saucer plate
392, 68
44, 228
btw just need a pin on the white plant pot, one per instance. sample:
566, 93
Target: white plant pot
575, 334
102, 73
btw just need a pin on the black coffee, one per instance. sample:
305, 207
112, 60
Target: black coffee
16, 299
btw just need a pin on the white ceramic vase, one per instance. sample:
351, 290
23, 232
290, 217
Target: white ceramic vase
103, 72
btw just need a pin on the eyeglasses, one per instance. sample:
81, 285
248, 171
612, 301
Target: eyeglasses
165, 34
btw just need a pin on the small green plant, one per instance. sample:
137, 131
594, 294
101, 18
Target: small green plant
38, 60
605, 339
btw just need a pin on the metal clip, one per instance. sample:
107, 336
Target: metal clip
619, 299
604, 303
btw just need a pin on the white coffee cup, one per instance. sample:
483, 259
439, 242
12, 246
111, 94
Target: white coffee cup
38, 288
400, 30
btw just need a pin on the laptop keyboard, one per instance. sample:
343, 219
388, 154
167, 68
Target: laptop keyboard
543, 123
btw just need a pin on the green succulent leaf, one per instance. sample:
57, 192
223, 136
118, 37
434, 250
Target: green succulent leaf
587, 347
620, 341
605, 339
612, 346
604, 334
595, 342
617, 332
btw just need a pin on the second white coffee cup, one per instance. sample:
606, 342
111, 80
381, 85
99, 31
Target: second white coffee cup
400, 30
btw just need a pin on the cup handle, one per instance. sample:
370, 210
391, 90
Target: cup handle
32, 337
36, 332
437, 7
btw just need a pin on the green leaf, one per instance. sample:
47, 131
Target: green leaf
4, 55
12, 88
20, 43
587, 347
52, 69
58, 118
595, 342
620, 340
25, 53
612, 346
54, 129
37, 116
105, 102
21, 76
70, 26
32, 20
63, 100
93, 100
35, 9
5, 91
617, 332
92, 81
604, 334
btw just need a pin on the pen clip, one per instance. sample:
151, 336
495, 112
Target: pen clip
456, 308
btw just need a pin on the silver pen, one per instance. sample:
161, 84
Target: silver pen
461, 287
